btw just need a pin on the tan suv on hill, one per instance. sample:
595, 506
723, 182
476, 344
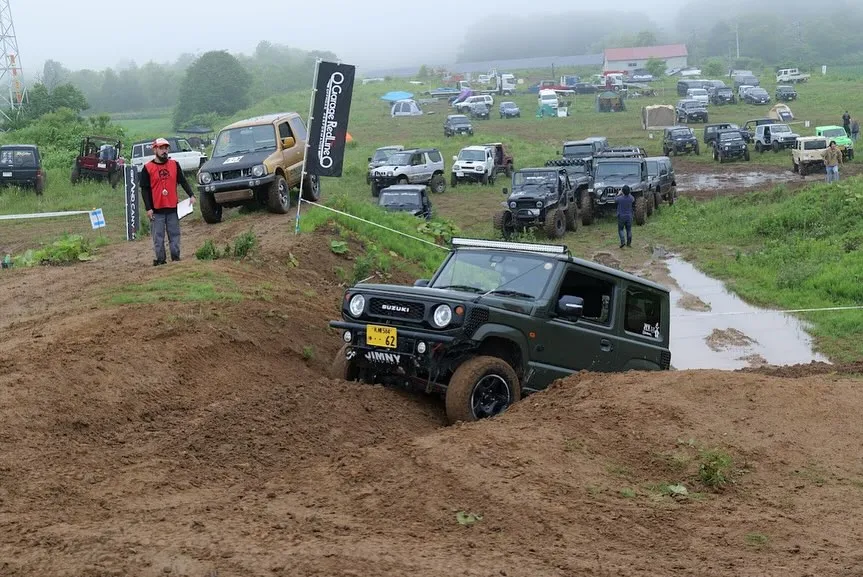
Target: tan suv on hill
256, 161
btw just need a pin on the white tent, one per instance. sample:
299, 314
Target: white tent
406, 108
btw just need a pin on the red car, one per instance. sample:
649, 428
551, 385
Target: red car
99, 159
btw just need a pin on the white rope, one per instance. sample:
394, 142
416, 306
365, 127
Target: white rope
376, 224
42, 214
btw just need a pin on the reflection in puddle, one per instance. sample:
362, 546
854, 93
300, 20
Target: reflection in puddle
733, 334
690, 182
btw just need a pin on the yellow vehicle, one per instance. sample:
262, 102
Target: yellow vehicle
256, 161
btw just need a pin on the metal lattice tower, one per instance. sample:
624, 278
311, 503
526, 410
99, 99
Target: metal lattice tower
12, 91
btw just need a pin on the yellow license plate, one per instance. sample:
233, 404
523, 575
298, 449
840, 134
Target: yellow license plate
377, 336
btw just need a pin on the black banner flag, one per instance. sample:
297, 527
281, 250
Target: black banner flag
329, 124
133, 208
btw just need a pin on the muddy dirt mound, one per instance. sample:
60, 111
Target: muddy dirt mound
808, 370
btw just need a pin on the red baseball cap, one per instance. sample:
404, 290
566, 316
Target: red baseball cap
161, 142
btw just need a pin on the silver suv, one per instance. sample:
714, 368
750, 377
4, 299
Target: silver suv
417, 166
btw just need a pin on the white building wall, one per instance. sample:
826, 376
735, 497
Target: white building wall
677, 62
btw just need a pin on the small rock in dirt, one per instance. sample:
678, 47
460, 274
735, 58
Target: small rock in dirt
606, 259
754, 360
691, 302
723, 339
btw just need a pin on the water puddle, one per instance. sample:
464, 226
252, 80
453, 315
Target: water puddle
712, 328
730, 180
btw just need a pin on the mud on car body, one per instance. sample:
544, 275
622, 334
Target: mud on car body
501, 320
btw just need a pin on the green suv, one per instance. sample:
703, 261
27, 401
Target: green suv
500, 320
838, 134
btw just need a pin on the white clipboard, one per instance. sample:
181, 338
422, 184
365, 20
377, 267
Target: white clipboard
184, 208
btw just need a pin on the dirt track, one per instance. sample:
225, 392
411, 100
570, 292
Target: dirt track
205, 439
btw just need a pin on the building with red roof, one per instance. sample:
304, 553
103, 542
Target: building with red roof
630, 59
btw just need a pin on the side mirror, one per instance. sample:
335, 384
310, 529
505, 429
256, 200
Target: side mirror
455, 158
421, 282
570, 307
288, 142
370, 159
505, 190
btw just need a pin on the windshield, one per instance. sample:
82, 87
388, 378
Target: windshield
520, 179
399, 159
518, 275
472, 155
508, 105
814, 144
400, 198
693, 104
784, 89
729, 136
681, 133
697, 92
245, 140
618, 169
577, 149
381, 155
778, 128
459, 120
834, 132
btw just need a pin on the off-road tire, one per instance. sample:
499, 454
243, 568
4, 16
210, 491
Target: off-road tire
503, 222
657, 199
746, 156
211, 211
585, 202
555, 223
640, 210
437, 184
76, 175
39, 187
484, 179
672, 195
342, 368
697, 149
776, 146
508, 170
279, 196
376, 192
759, 148
803, 169
453, 181
571, 213
311, 189
114, 178
650, 201
721, 157
460, 392
794, 168
402, 179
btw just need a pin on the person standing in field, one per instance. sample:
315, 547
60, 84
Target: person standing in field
832, 159
159, 180
846, 123
624, 200
855, 130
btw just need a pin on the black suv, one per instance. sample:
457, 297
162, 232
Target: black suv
691, 111
729, 144
499, 321
21, 165
540, 197
582, 148
610, 175
722, 95
785, 94
678, 139
660, 171
457, 124
412, 198
711, 130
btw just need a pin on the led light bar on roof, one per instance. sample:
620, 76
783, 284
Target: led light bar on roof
525, 246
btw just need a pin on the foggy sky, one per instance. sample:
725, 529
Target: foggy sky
368, 33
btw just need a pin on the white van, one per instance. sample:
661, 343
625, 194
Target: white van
190, 160
548, 97
699, 94
464, 106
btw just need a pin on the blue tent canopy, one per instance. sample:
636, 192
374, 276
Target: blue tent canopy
397, 95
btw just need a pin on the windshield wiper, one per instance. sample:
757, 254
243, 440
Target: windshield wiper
511, 293
460, 287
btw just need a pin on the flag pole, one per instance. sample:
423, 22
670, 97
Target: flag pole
306, 151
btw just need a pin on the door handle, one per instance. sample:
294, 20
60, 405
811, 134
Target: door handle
606, 346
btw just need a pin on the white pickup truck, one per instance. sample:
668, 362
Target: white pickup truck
190, 159
790, 75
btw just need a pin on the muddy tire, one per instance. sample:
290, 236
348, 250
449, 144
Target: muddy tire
114, 178
758, 148
657, 200
697, 149
481, 387
279, 196
508, 170
776, 147
650, 202
555, 224
437, 184
75, 176
746, 156
376, 191
794, 168
39, 187
571, 214
211, 211
640, 210
453, 181
672, 195
585, 208
342, 368
311, 189
502, 221
484, 179
801, 168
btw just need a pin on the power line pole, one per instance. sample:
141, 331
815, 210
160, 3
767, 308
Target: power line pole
12, 91
737, 35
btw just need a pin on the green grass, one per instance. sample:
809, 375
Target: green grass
185, 286
790, 250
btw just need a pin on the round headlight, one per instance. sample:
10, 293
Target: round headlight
512, 205
259, 170
442, 316
206, 178
538, 204
347, 336
421, 347
357, 304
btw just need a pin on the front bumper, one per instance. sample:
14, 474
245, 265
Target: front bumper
700, 117
384, 181
236, 184
684, 146
460, 130
472, 173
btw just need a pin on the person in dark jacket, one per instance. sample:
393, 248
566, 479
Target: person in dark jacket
159, 180
625, 200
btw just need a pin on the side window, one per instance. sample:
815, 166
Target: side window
136, 151
299, 128
417, 159
435, 156
284, 130
643, 313
184, 145
596, 293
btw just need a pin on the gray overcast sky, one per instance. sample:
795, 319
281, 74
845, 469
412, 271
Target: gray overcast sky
367, 33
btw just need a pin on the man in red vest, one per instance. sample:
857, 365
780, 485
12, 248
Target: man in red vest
159, 180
